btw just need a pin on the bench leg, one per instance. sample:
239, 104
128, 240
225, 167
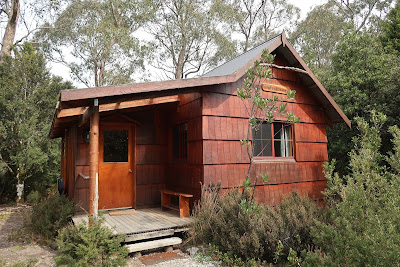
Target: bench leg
169, 249
184, 207
165, 200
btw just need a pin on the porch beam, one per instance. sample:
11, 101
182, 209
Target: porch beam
86, 115
139, 103
85, 112
94, 160
70, 112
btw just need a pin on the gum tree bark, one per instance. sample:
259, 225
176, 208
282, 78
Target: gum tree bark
9, 34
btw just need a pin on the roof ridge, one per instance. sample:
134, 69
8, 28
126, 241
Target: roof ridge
242, 54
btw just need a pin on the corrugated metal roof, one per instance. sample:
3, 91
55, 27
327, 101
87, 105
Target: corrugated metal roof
238, 62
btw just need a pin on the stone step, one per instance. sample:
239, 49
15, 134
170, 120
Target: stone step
159, 243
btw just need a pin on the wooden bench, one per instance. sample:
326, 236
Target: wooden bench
183, 202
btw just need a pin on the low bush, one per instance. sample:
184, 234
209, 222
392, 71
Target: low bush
364, 229
297, 215
235, 226
50, 215
33, 197
90, 246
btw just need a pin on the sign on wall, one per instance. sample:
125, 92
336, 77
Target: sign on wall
274, 88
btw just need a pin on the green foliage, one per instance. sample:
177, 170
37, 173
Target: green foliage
188, 38
33, 197
391, 30
260, 109
95, 39
293, 259
50, 215
90, 246
364, 227
363, 78
242, 230
298, 214
317, 35
28, 95
254, 20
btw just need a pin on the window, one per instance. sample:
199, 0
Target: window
274, 140
179, 141
115, 146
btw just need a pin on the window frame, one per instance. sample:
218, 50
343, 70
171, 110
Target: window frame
273, 140
181, 143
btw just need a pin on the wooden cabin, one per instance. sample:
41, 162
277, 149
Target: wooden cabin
138, 139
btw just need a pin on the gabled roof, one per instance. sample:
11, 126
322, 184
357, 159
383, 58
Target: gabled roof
236, 63
228, 72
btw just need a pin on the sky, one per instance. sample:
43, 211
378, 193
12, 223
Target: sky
304, 5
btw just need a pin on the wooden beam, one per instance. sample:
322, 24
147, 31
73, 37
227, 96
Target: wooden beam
139, 103
94, 160
70, 112
136, 88
86, 115
85, 112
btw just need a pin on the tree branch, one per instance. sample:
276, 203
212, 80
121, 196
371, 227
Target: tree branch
285, 68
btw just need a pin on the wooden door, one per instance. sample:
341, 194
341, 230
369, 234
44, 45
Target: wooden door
117, 180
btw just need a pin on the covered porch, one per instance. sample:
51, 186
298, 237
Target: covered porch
130, 151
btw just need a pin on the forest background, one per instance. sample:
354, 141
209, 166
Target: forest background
352, 46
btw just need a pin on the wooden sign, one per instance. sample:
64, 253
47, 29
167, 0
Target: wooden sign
274, 88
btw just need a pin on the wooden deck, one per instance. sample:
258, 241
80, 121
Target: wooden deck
144, 224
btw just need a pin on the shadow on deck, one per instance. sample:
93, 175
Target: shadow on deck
143, 224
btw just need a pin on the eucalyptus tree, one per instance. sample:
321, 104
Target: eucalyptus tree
317, 35
21, 19
274, 15
95, 39
241, 16
9, 13
360, 13
187, 38
255, 20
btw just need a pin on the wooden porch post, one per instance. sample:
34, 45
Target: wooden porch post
94, 160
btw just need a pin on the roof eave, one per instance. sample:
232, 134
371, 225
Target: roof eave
289, 46
157, 87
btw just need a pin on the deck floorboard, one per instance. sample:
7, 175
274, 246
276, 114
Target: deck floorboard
142, 221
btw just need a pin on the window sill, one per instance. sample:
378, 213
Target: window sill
258, 160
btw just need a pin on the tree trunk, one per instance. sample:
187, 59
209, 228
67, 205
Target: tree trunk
9, 33
179, 65
20, 189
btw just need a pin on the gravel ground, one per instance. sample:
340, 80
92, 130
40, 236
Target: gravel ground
185, 260
16, 246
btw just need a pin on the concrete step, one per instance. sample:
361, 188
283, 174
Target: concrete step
159, 243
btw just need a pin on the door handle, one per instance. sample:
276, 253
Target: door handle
130, 170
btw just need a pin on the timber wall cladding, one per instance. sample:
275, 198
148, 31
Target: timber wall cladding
81, 195
225, 121
151, 163
185, 176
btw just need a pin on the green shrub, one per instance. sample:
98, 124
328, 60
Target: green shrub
364, 227
51, 214
33, 197
297, 216
241, 229
90, 246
